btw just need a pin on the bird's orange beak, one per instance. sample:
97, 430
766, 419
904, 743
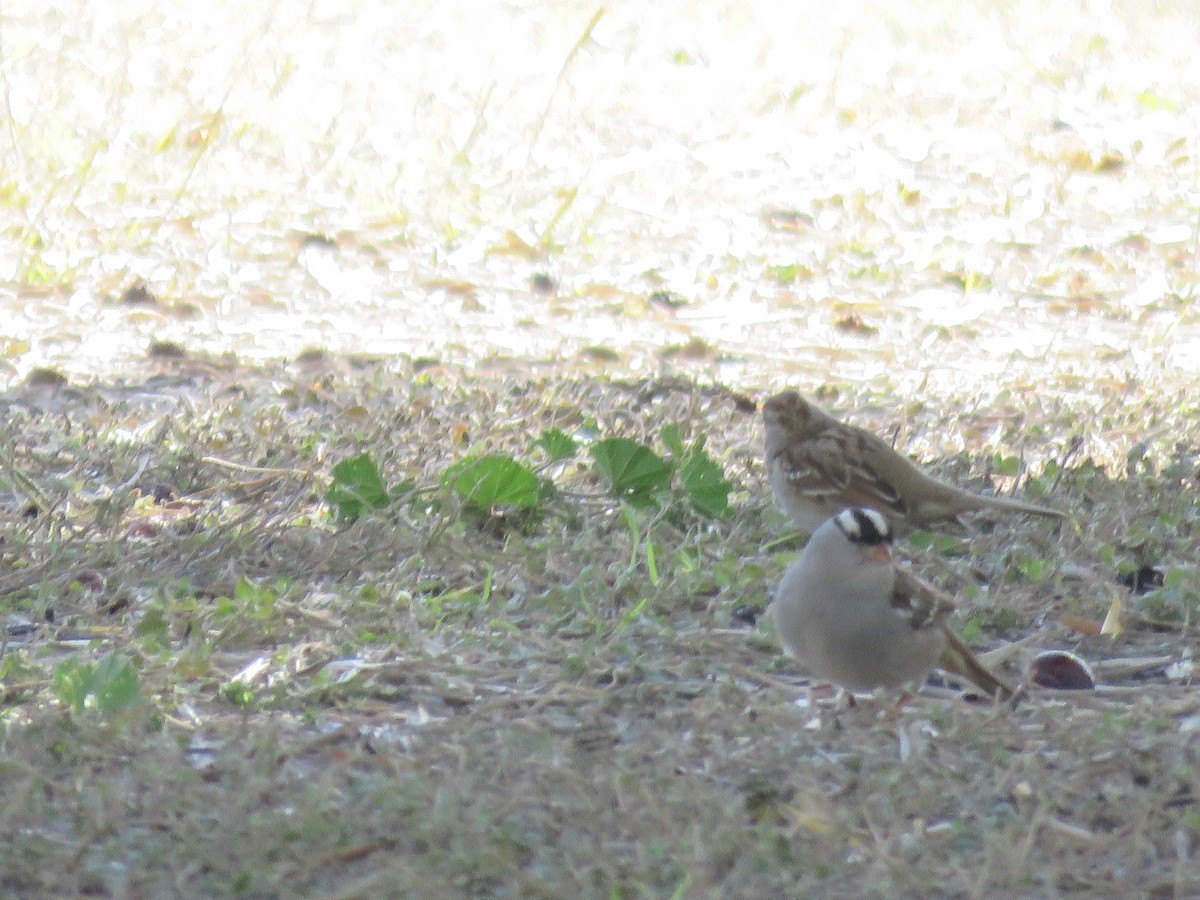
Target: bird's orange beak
880, 553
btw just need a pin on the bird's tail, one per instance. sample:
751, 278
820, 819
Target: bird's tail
958, 659
1019, 506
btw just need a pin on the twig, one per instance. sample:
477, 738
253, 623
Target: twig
583, 39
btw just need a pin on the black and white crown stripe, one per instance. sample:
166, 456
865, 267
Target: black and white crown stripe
864, 526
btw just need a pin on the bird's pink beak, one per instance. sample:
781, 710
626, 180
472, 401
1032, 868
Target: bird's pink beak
880, 553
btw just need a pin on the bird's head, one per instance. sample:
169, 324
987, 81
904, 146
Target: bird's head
790, 418
867, 529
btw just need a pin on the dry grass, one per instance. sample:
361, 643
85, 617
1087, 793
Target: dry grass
969, 227
574, 726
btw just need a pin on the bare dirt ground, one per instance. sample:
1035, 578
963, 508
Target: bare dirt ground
243, 244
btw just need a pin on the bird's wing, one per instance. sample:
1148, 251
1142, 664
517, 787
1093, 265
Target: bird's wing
820, 469
927, 607
919, 601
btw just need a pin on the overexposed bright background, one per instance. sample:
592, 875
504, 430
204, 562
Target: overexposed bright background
957, 196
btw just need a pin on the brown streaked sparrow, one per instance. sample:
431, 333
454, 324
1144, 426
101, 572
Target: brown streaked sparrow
818, 465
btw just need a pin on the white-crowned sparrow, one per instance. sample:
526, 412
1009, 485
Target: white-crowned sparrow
818, 465
849, 616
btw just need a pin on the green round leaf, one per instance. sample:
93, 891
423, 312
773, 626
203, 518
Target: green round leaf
494, 480
634, 472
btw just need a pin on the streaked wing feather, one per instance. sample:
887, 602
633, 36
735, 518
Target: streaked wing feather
927, 607
819, 468
919, 601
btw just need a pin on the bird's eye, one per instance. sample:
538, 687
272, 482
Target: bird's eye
847, 521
